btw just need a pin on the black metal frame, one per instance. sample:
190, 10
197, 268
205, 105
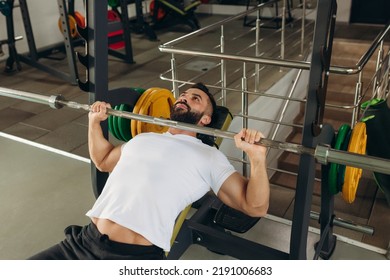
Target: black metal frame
12, 52
138, 24
124, 24
315, 132
32, 58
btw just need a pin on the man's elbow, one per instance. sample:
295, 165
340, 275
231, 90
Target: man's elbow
101, 166
259, 211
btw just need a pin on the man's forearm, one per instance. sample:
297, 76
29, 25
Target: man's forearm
258, 190
99, 147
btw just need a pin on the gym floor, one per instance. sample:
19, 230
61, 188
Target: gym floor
44, 163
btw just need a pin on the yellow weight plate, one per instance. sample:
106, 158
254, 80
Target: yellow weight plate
158, 104
72, 26
137, 107
357, 144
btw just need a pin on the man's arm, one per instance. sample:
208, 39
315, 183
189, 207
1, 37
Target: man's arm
103, 154
250, 196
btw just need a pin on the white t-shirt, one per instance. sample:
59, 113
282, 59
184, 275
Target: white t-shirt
156, 177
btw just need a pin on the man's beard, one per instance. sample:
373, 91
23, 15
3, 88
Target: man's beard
186, 116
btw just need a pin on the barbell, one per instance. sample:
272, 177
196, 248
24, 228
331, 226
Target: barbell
323, 154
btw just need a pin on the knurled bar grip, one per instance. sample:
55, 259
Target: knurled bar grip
322, 153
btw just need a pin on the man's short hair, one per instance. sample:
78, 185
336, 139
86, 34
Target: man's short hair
203, 88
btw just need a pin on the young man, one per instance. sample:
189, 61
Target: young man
153, 178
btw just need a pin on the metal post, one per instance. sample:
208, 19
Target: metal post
223, 69
283, 30
377, 67
358, 94
175, 87
303, 25
257, 45
244, 109
97, 73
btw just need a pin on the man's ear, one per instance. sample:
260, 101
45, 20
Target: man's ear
205, 120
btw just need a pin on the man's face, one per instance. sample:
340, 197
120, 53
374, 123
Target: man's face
190, 106
182, 112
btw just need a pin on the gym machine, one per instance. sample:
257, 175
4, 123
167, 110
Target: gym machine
138, 25
170, 12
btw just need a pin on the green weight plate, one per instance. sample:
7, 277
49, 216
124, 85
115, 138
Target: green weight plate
124, 124
113, 3
115, 125
111, 125
341, 171
334, 168
139, 90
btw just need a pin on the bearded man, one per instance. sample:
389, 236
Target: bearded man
153, 177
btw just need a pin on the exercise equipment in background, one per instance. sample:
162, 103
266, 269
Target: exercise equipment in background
166, 13
138, 25
76, 21
6, 9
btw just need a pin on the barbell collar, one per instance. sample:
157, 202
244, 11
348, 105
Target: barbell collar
324, 154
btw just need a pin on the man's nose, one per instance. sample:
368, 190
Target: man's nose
183, 99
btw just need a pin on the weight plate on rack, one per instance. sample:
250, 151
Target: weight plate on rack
357, 144
341, 170
137, 108
115, 125
157, 104
139, 90
124, 124
111, 125
80, 19
72, 26
334, 169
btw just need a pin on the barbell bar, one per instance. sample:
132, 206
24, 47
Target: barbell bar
322, 153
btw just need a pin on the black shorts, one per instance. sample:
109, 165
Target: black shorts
87, 243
